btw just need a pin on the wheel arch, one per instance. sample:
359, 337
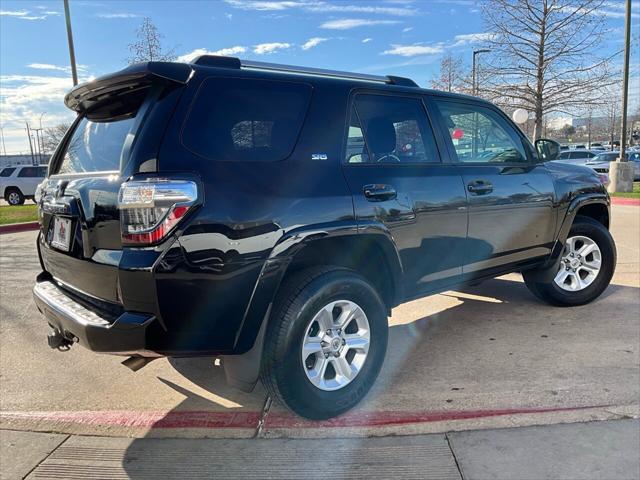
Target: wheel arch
371, 252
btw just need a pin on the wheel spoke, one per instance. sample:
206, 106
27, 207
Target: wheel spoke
357, 342
324, 319
561, 276
311, 345
316, 374
343, 369
576, 260
586, 249
348, 314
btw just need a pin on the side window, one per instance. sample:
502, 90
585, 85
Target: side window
28, 172
42, 171
479, 135
245, 119
565, 155
356, 148
7, 172
396, 130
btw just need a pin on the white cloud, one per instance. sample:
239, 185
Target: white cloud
413, 50
118, 15
313, 42
14, 13
25, 98
27, 15
319, 6
348, 23
227, 52
407, 29
267, 48
468, 38
47, 66
367, 40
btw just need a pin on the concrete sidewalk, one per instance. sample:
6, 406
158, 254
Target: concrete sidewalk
596, 450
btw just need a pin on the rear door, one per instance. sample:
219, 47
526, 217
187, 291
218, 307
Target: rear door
510, 194
29, 178
393, 168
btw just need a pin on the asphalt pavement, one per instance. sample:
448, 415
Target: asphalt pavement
481, 358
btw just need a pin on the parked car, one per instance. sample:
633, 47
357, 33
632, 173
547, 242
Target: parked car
576, 157
19, 183
283, 212
601, 163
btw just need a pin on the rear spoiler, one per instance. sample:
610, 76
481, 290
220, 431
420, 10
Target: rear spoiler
84, 96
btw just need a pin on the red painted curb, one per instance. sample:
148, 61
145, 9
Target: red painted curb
625, 201
178, 419
19, 227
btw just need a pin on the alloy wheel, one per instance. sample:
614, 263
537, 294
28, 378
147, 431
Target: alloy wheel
580, 264
335, 345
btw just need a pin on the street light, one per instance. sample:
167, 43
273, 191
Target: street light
474, 86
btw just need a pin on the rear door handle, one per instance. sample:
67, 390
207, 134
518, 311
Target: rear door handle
480, 187
379, 192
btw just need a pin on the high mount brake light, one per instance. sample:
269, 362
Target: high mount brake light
150, 209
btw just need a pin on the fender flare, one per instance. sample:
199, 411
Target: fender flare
549, 269
242, 370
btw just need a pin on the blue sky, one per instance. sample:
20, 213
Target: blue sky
401, 37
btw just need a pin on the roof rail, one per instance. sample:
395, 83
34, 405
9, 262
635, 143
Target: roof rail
232, 62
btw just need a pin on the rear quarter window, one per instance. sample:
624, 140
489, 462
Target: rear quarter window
246, 120
7, 172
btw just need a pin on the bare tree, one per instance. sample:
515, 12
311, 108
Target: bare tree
148, 45
544, 55
452, 76
52, 137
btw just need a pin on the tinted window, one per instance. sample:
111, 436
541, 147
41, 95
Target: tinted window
95, 146
30, 172
396, 130
246, 119
479, 135
7, 172
565, 155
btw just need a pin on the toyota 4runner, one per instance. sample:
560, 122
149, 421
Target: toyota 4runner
274, 215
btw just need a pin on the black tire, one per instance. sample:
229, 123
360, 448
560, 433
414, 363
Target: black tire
551, 293
14, 196
299, 299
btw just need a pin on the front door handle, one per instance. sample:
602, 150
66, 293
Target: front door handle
480, 187
379, 192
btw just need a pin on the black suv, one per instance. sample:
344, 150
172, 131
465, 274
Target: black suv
274, 215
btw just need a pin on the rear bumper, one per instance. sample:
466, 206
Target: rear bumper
123, 334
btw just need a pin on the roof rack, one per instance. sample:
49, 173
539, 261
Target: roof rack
233, 62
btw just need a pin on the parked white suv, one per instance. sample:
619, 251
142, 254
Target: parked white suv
20, 182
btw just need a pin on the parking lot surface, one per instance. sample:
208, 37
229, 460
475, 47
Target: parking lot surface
482, 357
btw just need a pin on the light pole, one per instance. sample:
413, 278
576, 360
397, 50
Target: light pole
474, 86
621, 171
72, 53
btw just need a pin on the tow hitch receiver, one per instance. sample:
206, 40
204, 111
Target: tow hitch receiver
56, 340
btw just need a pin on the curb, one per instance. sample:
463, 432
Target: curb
19, 227
625, 201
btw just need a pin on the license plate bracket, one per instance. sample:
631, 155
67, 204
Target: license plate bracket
61, 233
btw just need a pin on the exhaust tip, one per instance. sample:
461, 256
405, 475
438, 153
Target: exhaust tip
136, 363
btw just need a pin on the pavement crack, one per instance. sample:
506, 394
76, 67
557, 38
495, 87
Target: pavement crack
263, 417
453, 454
48, 455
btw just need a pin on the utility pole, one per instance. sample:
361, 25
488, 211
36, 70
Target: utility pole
38, 143
621, 171
474, 81
72, 54
4, 148
33, 159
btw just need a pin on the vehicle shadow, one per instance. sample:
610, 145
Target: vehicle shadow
485, 346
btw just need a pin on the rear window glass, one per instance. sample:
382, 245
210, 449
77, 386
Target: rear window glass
32, 172
96, 146
245, 119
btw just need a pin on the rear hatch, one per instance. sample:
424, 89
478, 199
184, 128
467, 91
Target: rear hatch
80, 242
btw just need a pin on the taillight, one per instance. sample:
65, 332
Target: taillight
150, 209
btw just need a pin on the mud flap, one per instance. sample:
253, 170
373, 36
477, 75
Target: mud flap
243, 371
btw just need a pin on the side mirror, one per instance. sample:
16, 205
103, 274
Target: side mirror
547, 149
